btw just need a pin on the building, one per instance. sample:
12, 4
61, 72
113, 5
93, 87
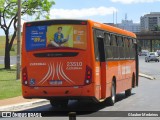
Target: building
129, 25
149, 22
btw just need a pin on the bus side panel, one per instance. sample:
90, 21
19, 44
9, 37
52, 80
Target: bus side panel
127, 70
97, 84
120, 78
122, 71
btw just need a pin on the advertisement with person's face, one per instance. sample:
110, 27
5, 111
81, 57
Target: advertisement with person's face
73, 36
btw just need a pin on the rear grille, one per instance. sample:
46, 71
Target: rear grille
56, 54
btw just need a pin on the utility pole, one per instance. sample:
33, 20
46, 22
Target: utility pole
113, 17
116, 18
18, 39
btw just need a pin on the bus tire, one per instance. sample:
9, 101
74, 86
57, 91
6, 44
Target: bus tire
128, 92
112, 99
133, 81
59, 103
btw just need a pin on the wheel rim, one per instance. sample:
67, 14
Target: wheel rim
113, 93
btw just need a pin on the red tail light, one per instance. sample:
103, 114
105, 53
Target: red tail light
24, 76
88, 76
83, 23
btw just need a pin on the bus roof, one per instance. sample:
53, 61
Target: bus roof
97, 25
112, 29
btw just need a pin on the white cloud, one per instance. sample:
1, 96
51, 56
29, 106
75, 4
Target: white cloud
81, 13
134, 1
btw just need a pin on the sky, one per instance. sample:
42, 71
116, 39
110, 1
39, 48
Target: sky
100, 10
103, 10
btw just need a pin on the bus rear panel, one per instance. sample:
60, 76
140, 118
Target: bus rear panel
56, 63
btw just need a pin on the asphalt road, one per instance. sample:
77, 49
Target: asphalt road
150, 68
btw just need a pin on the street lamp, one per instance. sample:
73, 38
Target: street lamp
18, 39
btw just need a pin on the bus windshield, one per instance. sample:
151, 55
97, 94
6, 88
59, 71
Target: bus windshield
56, 36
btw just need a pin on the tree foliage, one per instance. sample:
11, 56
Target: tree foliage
9, 17
157, 28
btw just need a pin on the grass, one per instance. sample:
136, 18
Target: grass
2, 47
9, 86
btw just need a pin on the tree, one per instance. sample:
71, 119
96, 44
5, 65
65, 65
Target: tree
9, 17
157, 28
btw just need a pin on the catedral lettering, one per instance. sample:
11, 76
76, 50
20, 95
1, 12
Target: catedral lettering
77, 59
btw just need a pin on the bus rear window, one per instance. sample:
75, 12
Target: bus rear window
53, 36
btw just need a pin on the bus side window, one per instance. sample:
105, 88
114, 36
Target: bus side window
123, 48
95, 46
130, 48
133, 49
114, 46
99, 45
108, 46
120, 47
126, 48
107, 39
114, 40
120, 41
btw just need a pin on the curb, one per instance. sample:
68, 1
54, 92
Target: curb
22, 106
146, 76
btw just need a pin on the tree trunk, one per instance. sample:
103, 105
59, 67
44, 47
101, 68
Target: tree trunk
7, 52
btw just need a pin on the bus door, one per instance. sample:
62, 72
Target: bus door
101, 52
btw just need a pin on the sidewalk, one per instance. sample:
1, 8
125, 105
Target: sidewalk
15, 100
19, 103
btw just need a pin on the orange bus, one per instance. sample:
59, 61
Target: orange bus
77, 59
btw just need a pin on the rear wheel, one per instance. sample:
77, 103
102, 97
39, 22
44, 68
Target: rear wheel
128, 92
112, 99
59, 103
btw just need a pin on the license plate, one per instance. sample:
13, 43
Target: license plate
55, 82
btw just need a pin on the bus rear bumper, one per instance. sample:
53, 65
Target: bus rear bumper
57, 92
